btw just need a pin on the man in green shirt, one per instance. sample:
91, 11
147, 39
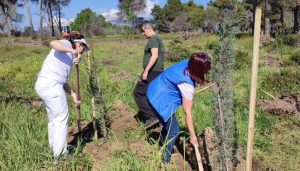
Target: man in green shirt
153, 65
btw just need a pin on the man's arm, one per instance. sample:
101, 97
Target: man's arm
152, 61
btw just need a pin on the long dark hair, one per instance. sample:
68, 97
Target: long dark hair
72, 36
199, 65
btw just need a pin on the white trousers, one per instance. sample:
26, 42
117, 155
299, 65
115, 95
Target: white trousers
55, 101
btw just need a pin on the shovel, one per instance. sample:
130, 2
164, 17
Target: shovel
198, 157
78, 96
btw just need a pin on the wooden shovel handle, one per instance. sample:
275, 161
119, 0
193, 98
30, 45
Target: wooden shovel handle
78, 95
198, 157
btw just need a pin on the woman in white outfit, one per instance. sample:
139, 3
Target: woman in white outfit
52, 84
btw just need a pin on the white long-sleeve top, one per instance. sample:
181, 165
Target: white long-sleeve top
57, 65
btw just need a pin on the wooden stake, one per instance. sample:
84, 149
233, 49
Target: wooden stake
93, 100
222, 131
94, 118
253, 89
273, 97
205, 88
198, 157
78, 95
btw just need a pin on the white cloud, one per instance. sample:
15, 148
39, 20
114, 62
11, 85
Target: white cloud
66, 21
111, 15
146, 13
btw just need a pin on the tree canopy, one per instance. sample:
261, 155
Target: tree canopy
89, 23
174, 16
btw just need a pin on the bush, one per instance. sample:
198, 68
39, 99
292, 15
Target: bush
243, 34
283, 81
177, 52
27, 31
295, 57
45, 40
3, 35
210, 45
242, 59
292, 40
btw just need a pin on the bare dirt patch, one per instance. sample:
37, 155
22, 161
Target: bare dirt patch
271, 61
30, 102
264, 40
123, 75
241, 165
284, 105
102, 153
22, 42
122, 119
36, 103
181, 163
208, 150
135, 147
108, 63
209, 154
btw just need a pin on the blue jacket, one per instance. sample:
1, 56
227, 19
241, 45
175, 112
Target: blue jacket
163, 92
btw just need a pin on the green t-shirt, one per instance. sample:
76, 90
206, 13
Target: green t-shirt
154, 42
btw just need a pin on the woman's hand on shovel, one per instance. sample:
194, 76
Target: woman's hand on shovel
75, 53
76, 57
74, 96
194, 141
77, 60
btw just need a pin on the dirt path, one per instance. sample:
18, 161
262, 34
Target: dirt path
20, 42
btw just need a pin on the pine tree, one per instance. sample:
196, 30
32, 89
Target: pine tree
223, 103
129, 9
8, 11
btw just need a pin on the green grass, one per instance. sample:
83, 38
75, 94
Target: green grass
23, 129
24, 140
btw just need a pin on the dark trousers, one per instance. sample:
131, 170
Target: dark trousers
169, 135
140, 95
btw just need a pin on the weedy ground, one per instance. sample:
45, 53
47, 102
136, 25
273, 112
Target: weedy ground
23, 124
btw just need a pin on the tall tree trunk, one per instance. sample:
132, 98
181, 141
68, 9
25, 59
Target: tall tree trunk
267, 19
49, 22
41, 17
296, 22
9, 24
282, 16
52, 24
254, 5
59, 17
29, 17
50, 19
6, 8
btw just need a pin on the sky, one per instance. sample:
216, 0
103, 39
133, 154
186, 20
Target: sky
107, 8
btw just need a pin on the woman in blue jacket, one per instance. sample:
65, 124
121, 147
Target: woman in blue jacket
173, 88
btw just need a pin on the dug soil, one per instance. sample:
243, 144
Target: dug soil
209, 150
121, 123
283, 105
271, 61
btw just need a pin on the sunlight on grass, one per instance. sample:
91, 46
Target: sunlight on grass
23, 128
